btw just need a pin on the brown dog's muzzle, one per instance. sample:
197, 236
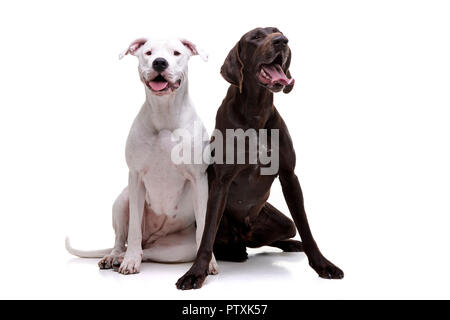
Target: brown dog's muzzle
280, 42
273, 72
275, 42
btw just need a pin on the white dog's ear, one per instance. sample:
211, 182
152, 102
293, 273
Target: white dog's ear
134, 47
194, 49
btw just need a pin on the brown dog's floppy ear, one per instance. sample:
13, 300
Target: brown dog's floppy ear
288, 88
233, 68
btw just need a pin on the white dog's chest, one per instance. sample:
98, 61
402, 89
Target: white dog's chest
166, 186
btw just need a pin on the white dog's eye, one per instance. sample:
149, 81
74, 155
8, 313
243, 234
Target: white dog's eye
148, 53
176, 53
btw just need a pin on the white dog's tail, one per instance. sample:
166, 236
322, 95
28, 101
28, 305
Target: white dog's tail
86, 254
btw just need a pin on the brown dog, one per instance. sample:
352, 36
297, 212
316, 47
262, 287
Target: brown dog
239, 215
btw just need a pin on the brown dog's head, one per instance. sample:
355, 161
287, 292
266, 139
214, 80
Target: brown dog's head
262, 56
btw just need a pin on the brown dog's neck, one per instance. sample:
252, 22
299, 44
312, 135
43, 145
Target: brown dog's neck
255, 104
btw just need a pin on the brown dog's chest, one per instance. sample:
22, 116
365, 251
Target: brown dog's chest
249, 189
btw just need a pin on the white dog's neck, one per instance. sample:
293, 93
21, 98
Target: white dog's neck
167, 103
168, 112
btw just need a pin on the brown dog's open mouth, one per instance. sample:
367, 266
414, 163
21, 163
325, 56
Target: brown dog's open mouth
273, 76
160, 85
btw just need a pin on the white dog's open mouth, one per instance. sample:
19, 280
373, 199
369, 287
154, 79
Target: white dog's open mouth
160, 86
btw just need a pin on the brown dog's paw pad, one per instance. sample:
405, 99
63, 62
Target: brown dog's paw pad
191, 281
326, 270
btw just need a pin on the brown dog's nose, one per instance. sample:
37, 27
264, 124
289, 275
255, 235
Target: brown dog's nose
280, 42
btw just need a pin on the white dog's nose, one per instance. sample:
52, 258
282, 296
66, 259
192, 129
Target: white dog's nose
160, 64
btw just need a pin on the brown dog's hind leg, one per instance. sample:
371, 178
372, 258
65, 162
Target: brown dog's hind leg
228, 245
233, 252
272, 228
288, 245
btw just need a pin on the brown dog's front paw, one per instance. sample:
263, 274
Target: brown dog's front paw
192, 280
325, 269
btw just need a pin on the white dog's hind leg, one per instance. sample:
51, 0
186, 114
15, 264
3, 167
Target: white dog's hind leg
174, 248
120, 213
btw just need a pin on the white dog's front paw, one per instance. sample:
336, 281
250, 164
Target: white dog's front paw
131, 264
213, 267
108, 261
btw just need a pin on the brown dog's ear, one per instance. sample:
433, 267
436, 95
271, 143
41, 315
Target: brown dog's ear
288, 88
233, 68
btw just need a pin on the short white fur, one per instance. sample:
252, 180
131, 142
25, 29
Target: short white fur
160, 216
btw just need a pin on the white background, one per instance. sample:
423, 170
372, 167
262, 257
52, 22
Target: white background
369, 117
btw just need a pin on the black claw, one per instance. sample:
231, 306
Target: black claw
183, 287
194, 286
329, 276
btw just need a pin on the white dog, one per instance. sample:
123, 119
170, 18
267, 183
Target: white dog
160, 216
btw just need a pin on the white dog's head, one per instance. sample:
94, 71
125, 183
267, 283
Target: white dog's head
163, 64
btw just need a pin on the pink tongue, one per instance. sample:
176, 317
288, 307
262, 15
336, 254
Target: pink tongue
277, 74
158, 85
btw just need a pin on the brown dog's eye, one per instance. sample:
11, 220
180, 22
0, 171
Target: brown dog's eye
176, 53
148, 53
